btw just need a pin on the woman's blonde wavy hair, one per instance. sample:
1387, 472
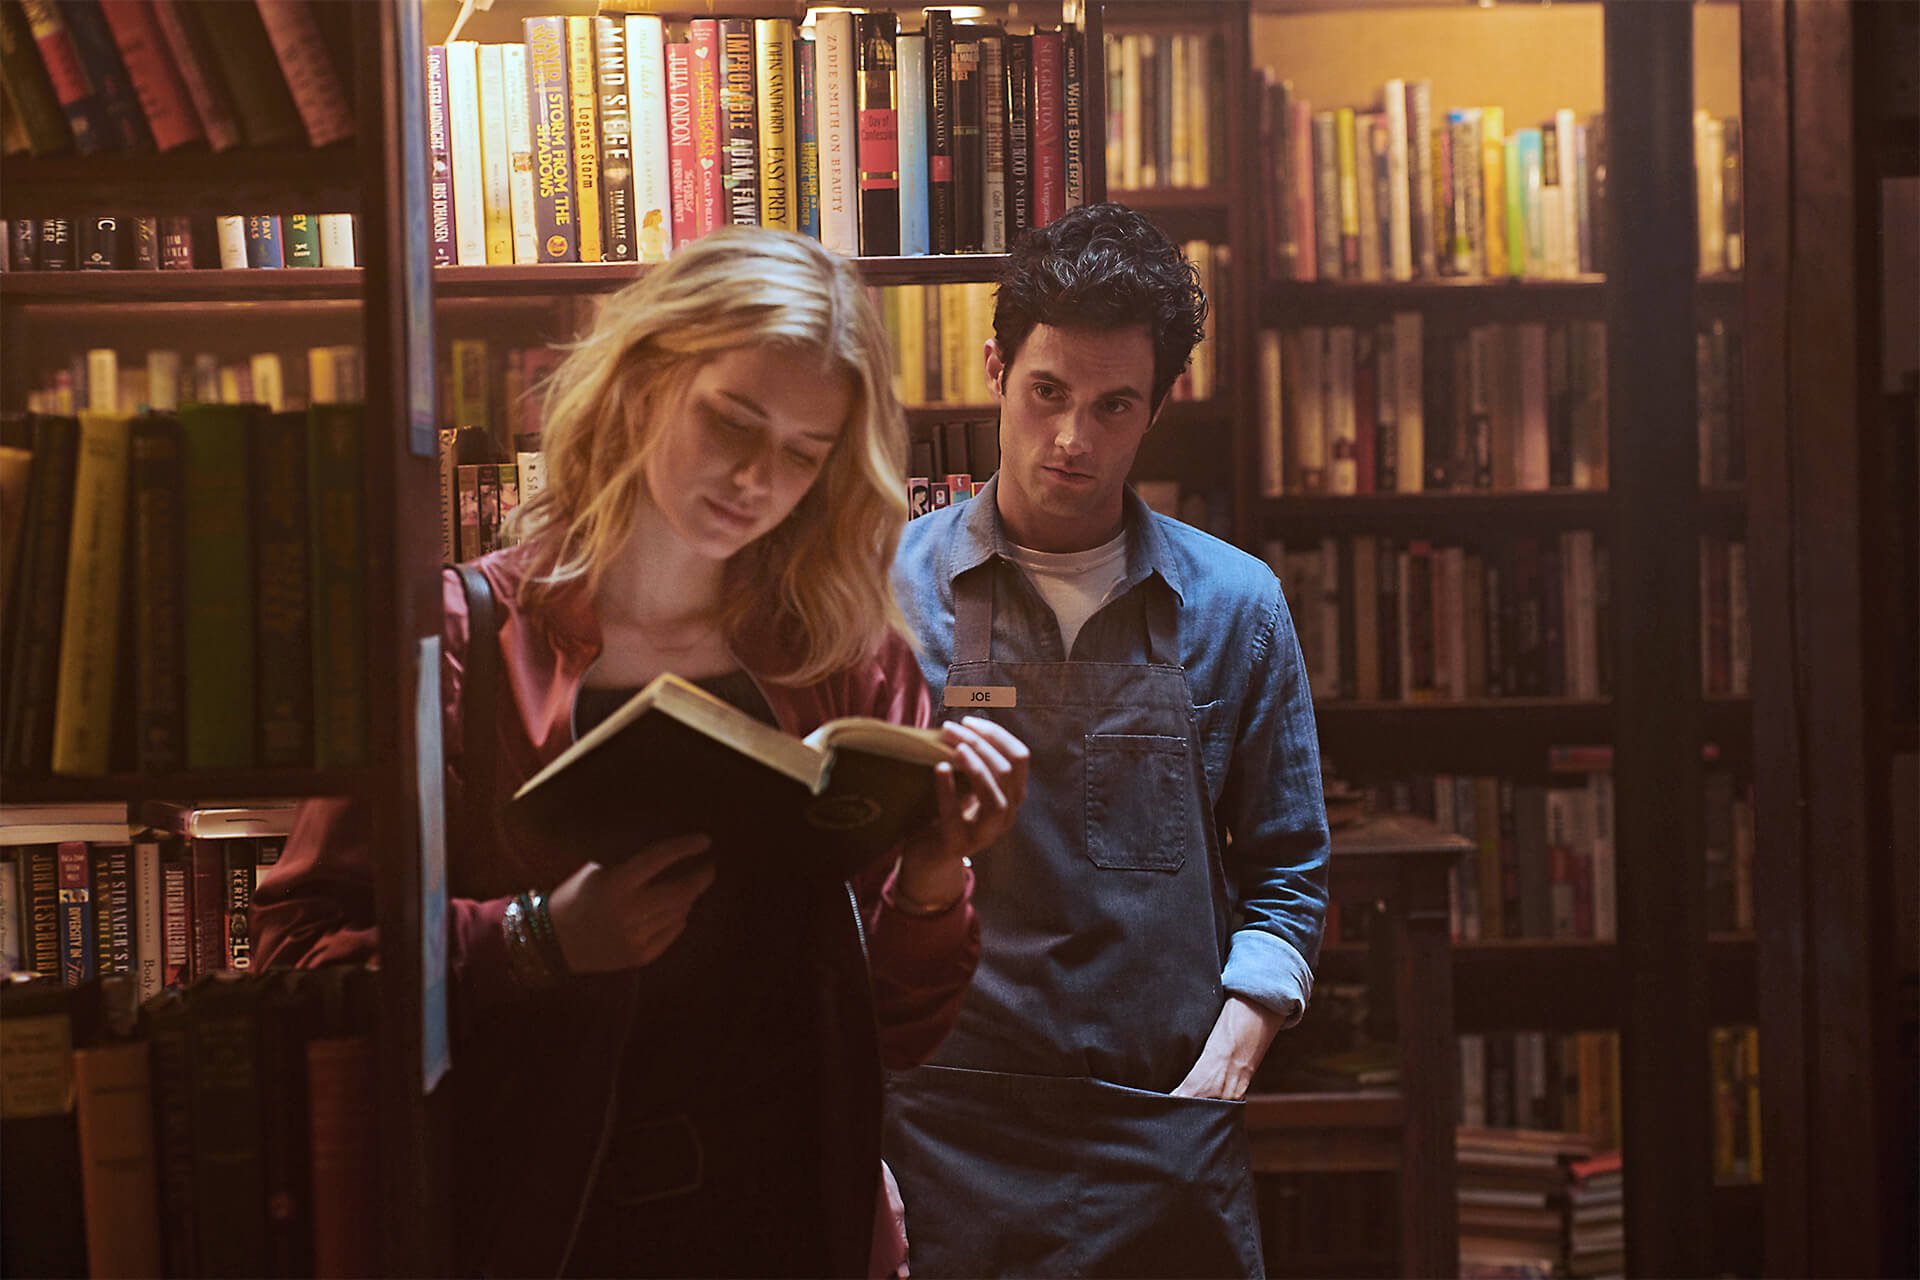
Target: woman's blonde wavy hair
821, 578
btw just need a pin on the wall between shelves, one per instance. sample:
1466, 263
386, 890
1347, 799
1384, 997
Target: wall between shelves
1528, 60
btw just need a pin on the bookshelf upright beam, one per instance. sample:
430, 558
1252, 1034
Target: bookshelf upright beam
1666, 1126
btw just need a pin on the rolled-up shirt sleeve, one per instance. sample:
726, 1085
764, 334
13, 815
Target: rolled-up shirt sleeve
1277, 819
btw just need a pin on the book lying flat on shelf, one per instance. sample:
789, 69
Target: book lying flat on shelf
675, 759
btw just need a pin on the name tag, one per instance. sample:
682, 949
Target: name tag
980, 695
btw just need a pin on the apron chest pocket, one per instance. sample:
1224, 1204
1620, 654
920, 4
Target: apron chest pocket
1136, 801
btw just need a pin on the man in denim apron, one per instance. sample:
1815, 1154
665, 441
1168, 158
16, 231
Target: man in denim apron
1151, 921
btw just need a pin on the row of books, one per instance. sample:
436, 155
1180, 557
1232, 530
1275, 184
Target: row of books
1399, 408
186, 591
223, 1129
141, 75
1164, 126
118, 242
163, 380
1543, 1080
1400, 190
479, 488
164, 898
614, 138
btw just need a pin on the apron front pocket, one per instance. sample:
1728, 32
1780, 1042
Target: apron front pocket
1136, 805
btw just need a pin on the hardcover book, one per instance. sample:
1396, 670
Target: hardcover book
835, 801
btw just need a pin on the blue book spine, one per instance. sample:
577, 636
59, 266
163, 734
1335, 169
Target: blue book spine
915, 230
807, 139
1532, 158
265, 247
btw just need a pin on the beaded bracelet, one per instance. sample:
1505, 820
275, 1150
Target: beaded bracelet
533, 948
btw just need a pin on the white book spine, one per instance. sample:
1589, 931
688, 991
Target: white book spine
495, 157
1273, 444
230, 230
833, 91
103, 380
269, 387
1410, 431
149, 919
1309, 425
463, 139
163, 381
1566, 131
526, 228
1400, 225
1343, 474
652, 161
336, 240
993, 129
532, 465
1709, 143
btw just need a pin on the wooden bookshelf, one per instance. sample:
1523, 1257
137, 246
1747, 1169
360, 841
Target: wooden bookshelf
204, 784
1462, 512
123, 288
322, 180
1462, 299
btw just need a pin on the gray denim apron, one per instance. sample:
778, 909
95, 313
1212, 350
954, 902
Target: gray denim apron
1041, 1141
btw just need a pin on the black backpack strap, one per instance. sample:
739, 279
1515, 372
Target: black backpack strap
480, 692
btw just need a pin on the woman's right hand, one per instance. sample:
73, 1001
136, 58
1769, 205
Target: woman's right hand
624, 916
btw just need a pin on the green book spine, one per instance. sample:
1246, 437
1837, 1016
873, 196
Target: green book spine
219, 595
302, 240
28, 89
336, 507
1517, 264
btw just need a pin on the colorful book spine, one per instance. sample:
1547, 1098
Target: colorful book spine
93, 42
162, 95
1073, 98
616, 138
742, 132
683, 155
773, 85
915, 215
520, 179
439, 160
113, 906
317, 92
653, 213
301, 240
552, 139
806, 138
836, 62
83, 717
463, 140
583, 104
263, 243
27, 85
212, 104
78, 953
879, 136
86, 116
496, 164
709, 125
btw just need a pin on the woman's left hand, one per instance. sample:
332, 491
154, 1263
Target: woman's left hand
994, 764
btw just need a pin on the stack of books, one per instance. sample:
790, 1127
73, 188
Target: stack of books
1596, 1223
1513, 1195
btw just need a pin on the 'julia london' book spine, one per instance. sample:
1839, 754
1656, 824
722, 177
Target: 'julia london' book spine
583, 101
552, 139
311, 78
939, 109
773, 65
683, 155
616, 138
806, 140
835, 60
1047, 143
653, 229
879, 154
742, 132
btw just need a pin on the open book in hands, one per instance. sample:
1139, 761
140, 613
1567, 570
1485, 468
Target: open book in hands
676, 760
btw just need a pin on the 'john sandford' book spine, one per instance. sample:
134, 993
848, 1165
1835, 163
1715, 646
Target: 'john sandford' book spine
879, 156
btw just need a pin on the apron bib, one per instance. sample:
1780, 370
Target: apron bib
1041, 1140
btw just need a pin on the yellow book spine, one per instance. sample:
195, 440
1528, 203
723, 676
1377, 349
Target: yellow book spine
912, 350
953, 343
773, 69
90, 621
470, 407
582, 98
1349, 177
1493, 178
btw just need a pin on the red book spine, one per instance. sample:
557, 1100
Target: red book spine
341, 1121
709, 126
1048, 141
71, 86
311, 79
683, 150
156, 82
194, 62
208, 868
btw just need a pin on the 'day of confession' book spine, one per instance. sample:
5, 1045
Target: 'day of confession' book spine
879, 153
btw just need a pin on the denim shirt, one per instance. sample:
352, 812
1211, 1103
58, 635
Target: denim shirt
1248, 683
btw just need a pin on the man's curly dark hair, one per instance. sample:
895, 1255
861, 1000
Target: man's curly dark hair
1102, 267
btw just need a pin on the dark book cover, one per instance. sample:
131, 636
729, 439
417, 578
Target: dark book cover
85, 112
1349, 634
237, 938
336, 511
251, 70
218, 602
300, 239
176, 913
616, 139
291, 1015
40, 910
676, 760
112, 870
283, 627
143, 236
1559, 408
23, 244
340, 1088
207, 905
942, 226
158, 618
29, 91
164, 1022
969, 142
1073, 99
807, 138
1019, 163
79, 957
879, 135
39, 598
1387, 615
176, 243
983, 448
553, 198
740, 108
42, 1219
56, 245
99, 248
1045, 137
1386, 413
93, 43
1553, 638
228, 1162
1493, 607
